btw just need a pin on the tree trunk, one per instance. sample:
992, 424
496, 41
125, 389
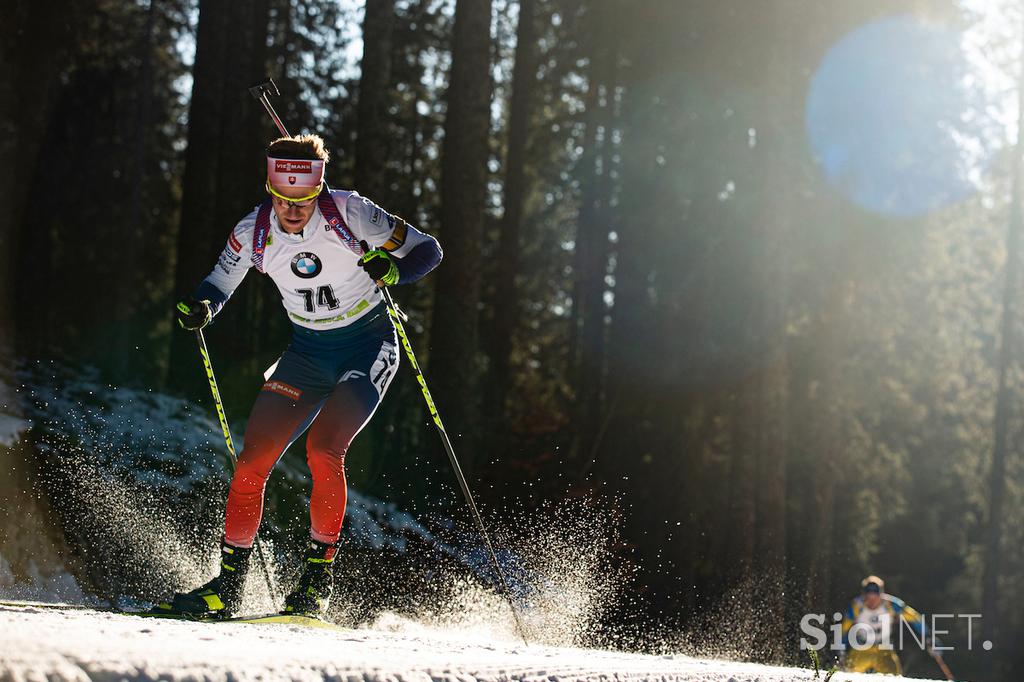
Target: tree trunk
223, 169
1004, 398
33, 51
372, 139
777, 156
824, 445
590, 263
743, 484
506, 314
454, 361
626, 458
123, 298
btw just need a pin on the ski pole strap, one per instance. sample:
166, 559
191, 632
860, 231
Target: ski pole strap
261, 234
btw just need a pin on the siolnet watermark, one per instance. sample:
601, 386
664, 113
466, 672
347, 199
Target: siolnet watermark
864, 636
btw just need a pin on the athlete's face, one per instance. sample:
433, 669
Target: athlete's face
872, 600
292, 217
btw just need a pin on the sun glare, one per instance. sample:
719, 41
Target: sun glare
905, 115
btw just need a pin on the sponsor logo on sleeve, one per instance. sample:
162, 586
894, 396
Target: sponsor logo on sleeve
233, 242
376, 211
228, 260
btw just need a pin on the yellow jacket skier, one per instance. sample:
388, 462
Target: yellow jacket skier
871, 629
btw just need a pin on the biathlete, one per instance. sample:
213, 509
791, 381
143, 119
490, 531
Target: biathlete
871, 630
337, 367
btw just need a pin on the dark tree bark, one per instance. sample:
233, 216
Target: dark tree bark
825, 442
1004, 397
743, 483
776, 154
223, 168
123, 298
33, 50
454, 362
627, 458
590, 260
372, 140
506, 313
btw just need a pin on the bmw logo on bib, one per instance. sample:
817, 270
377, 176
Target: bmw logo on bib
306, 265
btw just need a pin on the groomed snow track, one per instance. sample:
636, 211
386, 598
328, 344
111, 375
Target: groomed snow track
78, 644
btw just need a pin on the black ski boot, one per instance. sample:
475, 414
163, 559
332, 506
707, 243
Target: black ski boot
222, 596
311, 596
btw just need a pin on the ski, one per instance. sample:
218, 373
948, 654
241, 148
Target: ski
22, 604
286, 618
255, 619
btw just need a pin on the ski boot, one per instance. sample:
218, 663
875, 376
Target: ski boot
311, 596
222, 596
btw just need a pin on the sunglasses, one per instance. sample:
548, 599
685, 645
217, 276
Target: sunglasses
298, 202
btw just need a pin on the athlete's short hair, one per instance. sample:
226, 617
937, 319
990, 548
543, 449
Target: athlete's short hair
299, 147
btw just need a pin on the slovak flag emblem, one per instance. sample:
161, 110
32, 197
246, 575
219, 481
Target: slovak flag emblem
291, 179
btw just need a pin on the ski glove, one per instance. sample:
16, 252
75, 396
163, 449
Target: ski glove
380, 266
193, 314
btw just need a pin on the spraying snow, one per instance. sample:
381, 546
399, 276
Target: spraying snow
135, 490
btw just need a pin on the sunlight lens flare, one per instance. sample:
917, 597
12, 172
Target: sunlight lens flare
901, 117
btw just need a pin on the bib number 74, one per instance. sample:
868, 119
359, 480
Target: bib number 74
322, 297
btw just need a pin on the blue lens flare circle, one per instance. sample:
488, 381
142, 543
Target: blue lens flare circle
900, 119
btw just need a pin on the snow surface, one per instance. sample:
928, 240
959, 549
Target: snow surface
75, 644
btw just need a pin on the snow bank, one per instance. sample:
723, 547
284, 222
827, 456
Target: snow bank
46, 644
11, 429
161, 442
11, 425
108, 462
37, 584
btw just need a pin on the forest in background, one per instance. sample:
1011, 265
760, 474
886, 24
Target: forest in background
652, 297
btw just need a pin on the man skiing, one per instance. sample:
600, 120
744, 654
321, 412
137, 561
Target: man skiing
328, 252
870, 626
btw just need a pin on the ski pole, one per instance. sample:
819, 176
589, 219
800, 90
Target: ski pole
942, 666
219, 404
262, 93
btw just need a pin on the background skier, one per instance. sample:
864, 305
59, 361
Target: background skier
328, 252
869, 648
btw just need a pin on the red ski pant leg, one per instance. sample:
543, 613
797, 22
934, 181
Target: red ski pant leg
344, 414
272, 425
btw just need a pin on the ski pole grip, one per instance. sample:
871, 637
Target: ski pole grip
267, 87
